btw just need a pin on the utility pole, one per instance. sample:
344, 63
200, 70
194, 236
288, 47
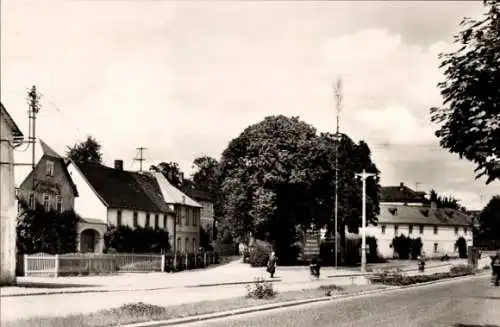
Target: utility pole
34, 108
364, 175
338, 98
141, 159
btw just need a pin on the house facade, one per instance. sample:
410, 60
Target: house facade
404, 211
49, 184
113, 196
10, 137
207, 215
186, 233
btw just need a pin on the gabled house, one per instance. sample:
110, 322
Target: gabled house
404, 211
113, 196
187, 225
10, 137
49, 184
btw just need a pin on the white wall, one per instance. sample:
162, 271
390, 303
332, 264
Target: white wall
8, 209
87, 204
445, 238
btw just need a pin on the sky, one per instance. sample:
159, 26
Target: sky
183, 78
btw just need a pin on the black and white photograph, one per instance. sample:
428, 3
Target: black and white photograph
281, 163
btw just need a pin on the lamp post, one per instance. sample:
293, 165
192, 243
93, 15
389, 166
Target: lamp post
364, 175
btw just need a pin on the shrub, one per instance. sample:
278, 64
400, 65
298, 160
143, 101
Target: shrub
139, 240
399, 279
462, 269
259, 256
329, 289
406, 247
261, 289
461, 244
352, 251
416, 247
140, 309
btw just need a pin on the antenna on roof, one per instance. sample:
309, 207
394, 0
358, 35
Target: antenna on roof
141, 159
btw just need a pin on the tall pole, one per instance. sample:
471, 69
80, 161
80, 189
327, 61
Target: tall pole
141, 159
34, 108
338, 97
364, 175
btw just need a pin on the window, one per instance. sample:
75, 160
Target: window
46, 203
410, 229
187, 214
58, 203
456, 230
136, 220
157, 221
165, 221
396, 230
49, 168
435, 229
31, 200
421, 229
196, 216
119, 218
178, 248
435, 247
186, 245
178, 214
383, 229
465, 230
194, 244
147, 220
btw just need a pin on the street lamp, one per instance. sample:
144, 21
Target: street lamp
364, 175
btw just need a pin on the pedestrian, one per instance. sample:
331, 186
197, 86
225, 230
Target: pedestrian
495, 267
271, 264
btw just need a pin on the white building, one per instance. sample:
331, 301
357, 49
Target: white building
406, 212
10, 135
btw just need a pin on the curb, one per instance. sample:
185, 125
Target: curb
133, 289
218, 315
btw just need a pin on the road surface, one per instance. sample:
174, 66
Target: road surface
466, 303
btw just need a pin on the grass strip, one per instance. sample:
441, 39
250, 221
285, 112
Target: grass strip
143, 312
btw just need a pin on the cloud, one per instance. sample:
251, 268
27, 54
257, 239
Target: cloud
184, 78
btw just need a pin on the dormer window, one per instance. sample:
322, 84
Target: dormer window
393, 211
49, 168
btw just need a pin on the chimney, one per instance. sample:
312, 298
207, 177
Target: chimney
119, 164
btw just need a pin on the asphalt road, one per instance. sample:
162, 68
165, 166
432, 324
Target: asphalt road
467, 303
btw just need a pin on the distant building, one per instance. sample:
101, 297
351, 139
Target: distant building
404, 211
10, 136
112, 196
49, 184
207, 215
187, 211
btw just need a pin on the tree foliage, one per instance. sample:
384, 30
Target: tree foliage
489, 220
49, 232
407, 247
88, 151
445, 201
172, 173
139, 240
470, 120
279, 175
208, 178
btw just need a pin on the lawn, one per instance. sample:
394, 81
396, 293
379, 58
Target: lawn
142, 312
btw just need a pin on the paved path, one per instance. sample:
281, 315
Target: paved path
469, 303
229, 273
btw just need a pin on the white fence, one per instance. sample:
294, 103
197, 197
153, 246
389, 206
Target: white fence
43, 264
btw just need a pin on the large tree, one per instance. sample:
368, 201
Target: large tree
279, 174
446, 201
172, 173
88, 151
489, 220
470, 119
207, 178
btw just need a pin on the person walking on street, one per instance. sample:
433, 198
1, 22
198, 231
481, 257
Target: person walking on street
495, 265
271, 264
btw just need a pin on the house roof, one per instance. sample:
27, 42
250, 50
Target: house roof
197, 194
48, 151
401, 193
123, 189
171, 194
16, 131
421, 215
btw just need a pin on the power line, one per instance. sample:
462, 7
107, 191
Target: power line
141, 159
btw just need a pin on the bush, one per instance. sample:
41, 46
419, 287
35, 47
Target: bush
462, 269
261, 289
329, 289
48, 232
399, 279
139, 240
406, 247
416, 248
140, 309
259, 256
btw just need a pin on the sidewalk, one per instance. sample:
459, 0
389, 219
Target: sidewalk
235, 272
